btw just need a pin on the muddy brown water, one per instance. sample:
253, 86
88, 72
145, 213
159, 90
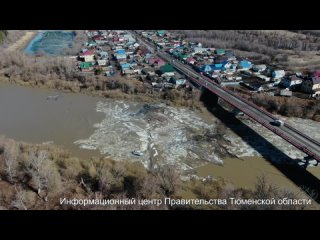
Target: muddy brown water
244, 173
27, 115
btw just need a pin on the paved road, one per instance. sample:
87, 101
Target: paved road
290, 134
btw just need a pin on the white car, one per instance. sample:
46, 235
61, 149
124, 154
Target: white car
137, 153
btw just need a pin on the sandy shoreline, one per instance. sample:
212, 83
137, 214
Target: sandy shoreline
22, 42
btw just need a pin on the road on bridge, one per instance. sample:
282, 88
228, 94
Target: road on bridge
295, 137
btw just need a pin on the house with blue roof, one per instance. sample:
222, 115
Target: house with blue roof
212, 68
217, 67
120, 51
206, 68
125, 66
244, 65
120, 56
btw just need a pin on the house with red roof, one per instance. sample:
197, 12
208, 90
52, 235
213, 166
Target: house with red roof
87, 56
191, 60
316, 74
157, 62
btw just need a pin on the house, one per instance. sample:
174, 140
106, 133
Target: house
87, 56
244, 65
316, 74
98, 37
230, 56
161, 33
86, 66
84, 50
263, 77
125, 66
291, 81
156, 61
199, 50
191, 60
311, 85
177, 81
136, 69
110, 71
259, 68
128, 71
226, 64
219, 51
166, 68
180, 81
103, 55
120, 56
167, 74
129, 38
148, 71
206, 68
183, 57
102, 62
277, 74
221, 59
120, 51
91, 43
212, 68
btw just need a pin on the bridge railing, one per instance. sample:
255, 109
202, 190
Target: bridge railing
269, 114
267, 125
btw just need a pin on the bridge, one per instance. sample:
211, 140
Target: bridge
293, 136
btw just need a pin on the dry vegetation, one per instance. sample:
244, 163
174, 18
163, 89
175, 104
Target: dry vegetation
293, 50
78, 43
11, 37
291, 107
38, 176
61, 73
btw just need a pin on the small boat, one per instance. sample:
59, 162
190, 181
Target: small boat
53, 97
137, 153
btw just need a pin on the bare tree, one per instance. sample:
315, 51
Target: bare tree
43, 172
19, 201
11, 153
169, 179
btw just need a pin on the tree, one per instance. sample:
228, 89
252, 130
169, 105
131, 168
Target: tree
3, 34
169, 179
19, 201
43, 172
11, 161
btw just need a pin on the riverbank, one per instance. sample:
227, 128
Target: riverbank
177, 98
69, 177
21, 43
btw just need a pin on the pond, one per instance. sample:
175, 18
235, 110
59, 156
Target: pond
50, 42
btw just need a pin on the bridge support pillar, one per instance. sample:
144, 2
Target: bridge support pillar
209, 98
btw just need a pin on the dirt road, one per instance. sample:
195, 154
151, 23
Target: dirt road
22, 42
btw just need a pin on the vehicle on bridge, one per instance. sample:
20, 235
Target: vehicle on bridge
277, 122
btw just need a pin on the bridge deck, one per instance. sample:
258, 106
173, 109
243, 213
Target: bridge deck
295, 137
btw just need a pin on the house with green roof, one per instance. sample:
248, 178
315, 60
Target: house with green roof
166, 68
161, 33
86, 66
220, 51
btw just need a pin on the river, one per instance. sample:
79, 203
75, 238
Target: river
27, 115
91, 126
